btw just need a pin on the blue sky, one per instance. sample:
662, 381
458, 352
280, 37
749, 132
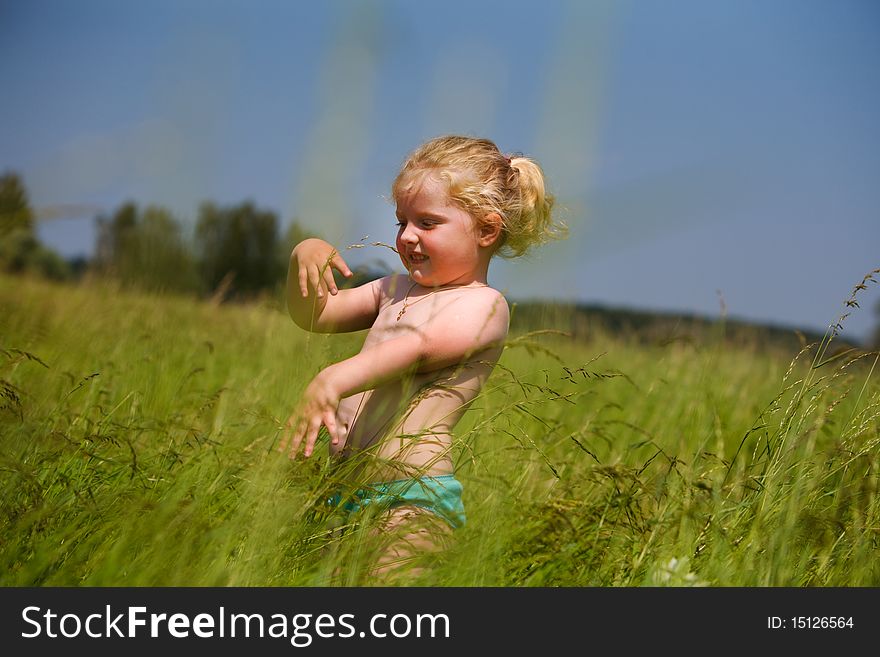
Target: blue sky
699, 150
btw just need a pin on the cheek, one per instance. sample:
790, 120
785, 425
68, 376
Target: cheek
400, 249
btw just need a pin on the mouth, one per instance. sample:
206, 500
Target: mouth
417, 258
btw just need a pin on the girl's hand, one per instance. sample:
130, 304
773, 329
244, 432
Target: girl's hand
315, 260
317, 406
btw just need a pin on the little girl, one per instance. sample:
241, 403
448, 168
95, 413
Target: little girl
434, 334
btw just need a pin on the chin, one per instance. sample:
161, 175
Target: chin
420, 277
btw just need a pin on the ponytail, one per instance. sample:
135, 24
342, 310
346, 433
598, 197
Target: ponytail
529, 222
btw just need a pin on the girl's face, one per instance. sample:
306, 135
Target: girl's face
437, 240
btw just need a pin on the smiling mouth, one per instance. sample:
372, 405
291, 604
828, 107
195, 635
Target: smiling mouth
417, 258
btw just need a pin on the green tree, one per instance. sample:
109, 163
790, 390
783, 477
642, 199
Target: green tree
145, 249
15, 210
114, 237
20, 249
237, 249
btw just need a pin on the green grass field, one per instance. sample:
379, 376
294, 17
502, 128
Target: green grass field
137, 440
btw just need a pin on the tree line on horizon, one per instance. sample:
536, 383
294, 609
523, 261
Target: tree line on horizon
234, 253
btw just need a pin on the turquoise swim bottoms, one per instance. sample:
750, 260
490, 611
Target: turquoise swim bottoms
441, 495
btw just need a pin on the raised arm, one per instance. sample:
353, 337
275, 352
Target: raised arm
313, 300
451, 337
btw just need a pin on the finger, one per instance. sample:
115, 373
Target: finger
330, 423
304, 281
294, 436
337, 262
311, 437
286, 431
314, 279
295, 441
343, 433
329, 280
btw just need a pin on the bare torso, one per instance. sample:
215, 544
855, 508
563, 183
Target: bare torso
403, 428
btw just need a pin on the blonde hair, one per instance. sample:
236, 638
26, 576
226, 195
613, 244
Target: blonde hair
482, 180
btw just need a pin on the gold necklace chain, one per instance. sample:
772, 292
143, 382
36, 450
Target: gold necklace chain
439, 289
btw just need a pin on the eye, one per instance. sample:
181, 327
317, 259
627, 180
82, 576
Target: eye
400, 223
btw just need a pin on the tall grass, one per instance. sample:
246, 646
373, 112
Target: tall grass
138, 433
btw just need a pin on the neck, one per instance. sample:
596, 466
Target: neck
479, 277
474, 282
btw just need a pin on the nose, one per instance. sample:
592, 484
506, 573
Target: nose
408, 234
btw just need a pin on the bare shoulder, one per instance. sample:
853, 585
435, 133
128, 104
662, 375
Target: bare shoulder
491, 303
483, 310
481, 297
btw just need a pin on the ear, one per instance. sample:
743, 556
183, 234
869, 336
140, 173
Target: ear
489, 230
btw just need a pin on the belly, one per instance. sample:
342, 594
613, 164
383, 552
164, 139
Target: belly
404, 428
398, 433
